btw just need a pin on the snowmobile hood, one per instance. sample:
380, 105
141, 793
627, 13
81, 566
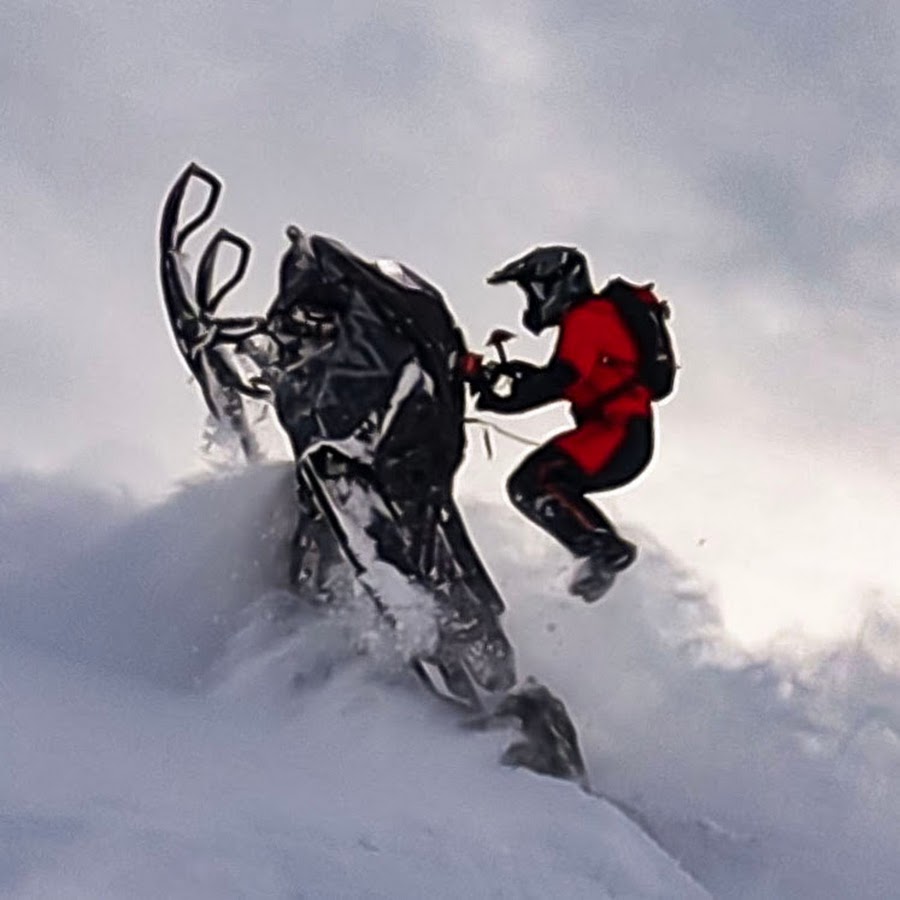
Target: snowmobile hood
305, 279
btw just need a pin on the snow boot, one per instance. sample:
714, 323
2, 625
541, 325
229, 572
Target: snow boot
595, 576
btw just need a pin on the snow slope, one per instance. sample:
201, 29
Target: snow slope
163, 740
169, 733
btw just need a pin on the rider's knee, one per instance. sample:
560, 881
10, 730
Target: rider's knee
520, 488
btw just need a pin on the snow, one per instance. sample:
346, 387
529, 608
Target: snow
117, 790
169, 732
162, 739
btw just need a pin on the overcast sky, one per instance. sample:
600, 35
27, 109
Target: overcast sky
743, 155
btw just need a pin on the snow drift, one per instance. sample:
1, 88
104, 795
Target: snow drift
171, 732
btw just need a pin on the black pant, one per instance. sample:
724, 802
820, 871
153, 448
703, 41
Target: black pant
549, 487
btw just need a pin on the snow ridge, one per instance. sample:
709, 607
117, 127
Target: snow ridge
172, 732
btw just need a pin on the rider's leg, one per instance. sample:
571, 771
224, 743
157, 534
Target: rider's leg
549, 486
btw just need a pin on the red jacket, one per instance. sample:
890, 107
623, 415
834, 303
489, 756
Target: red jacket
595, 341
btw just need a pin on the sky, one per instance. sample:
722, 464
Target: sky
744, 156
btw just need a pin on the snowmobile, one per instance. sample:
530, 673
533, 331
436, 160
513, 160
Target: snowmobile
362, 363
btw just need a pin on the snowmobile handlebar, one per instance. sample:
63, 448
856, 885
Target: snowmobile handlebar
497, 339
171, 236
207, 301
191, 304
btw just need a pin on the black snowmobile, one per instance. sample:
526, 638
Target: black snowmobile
361, 363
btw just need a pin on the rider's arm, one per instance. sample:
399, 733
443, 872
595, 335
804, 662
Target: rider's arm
533, 386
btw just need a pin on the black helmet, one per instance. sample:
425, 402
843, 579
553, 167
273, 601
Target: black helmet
553, 278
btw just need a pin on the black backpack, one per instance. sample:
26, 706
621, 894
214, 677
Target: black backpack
645, 317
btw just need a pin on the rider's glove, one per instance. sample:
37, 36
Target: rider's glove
478, 374
516, 369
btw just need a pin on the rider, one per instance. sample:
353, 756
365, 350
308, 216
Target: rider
593, 367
